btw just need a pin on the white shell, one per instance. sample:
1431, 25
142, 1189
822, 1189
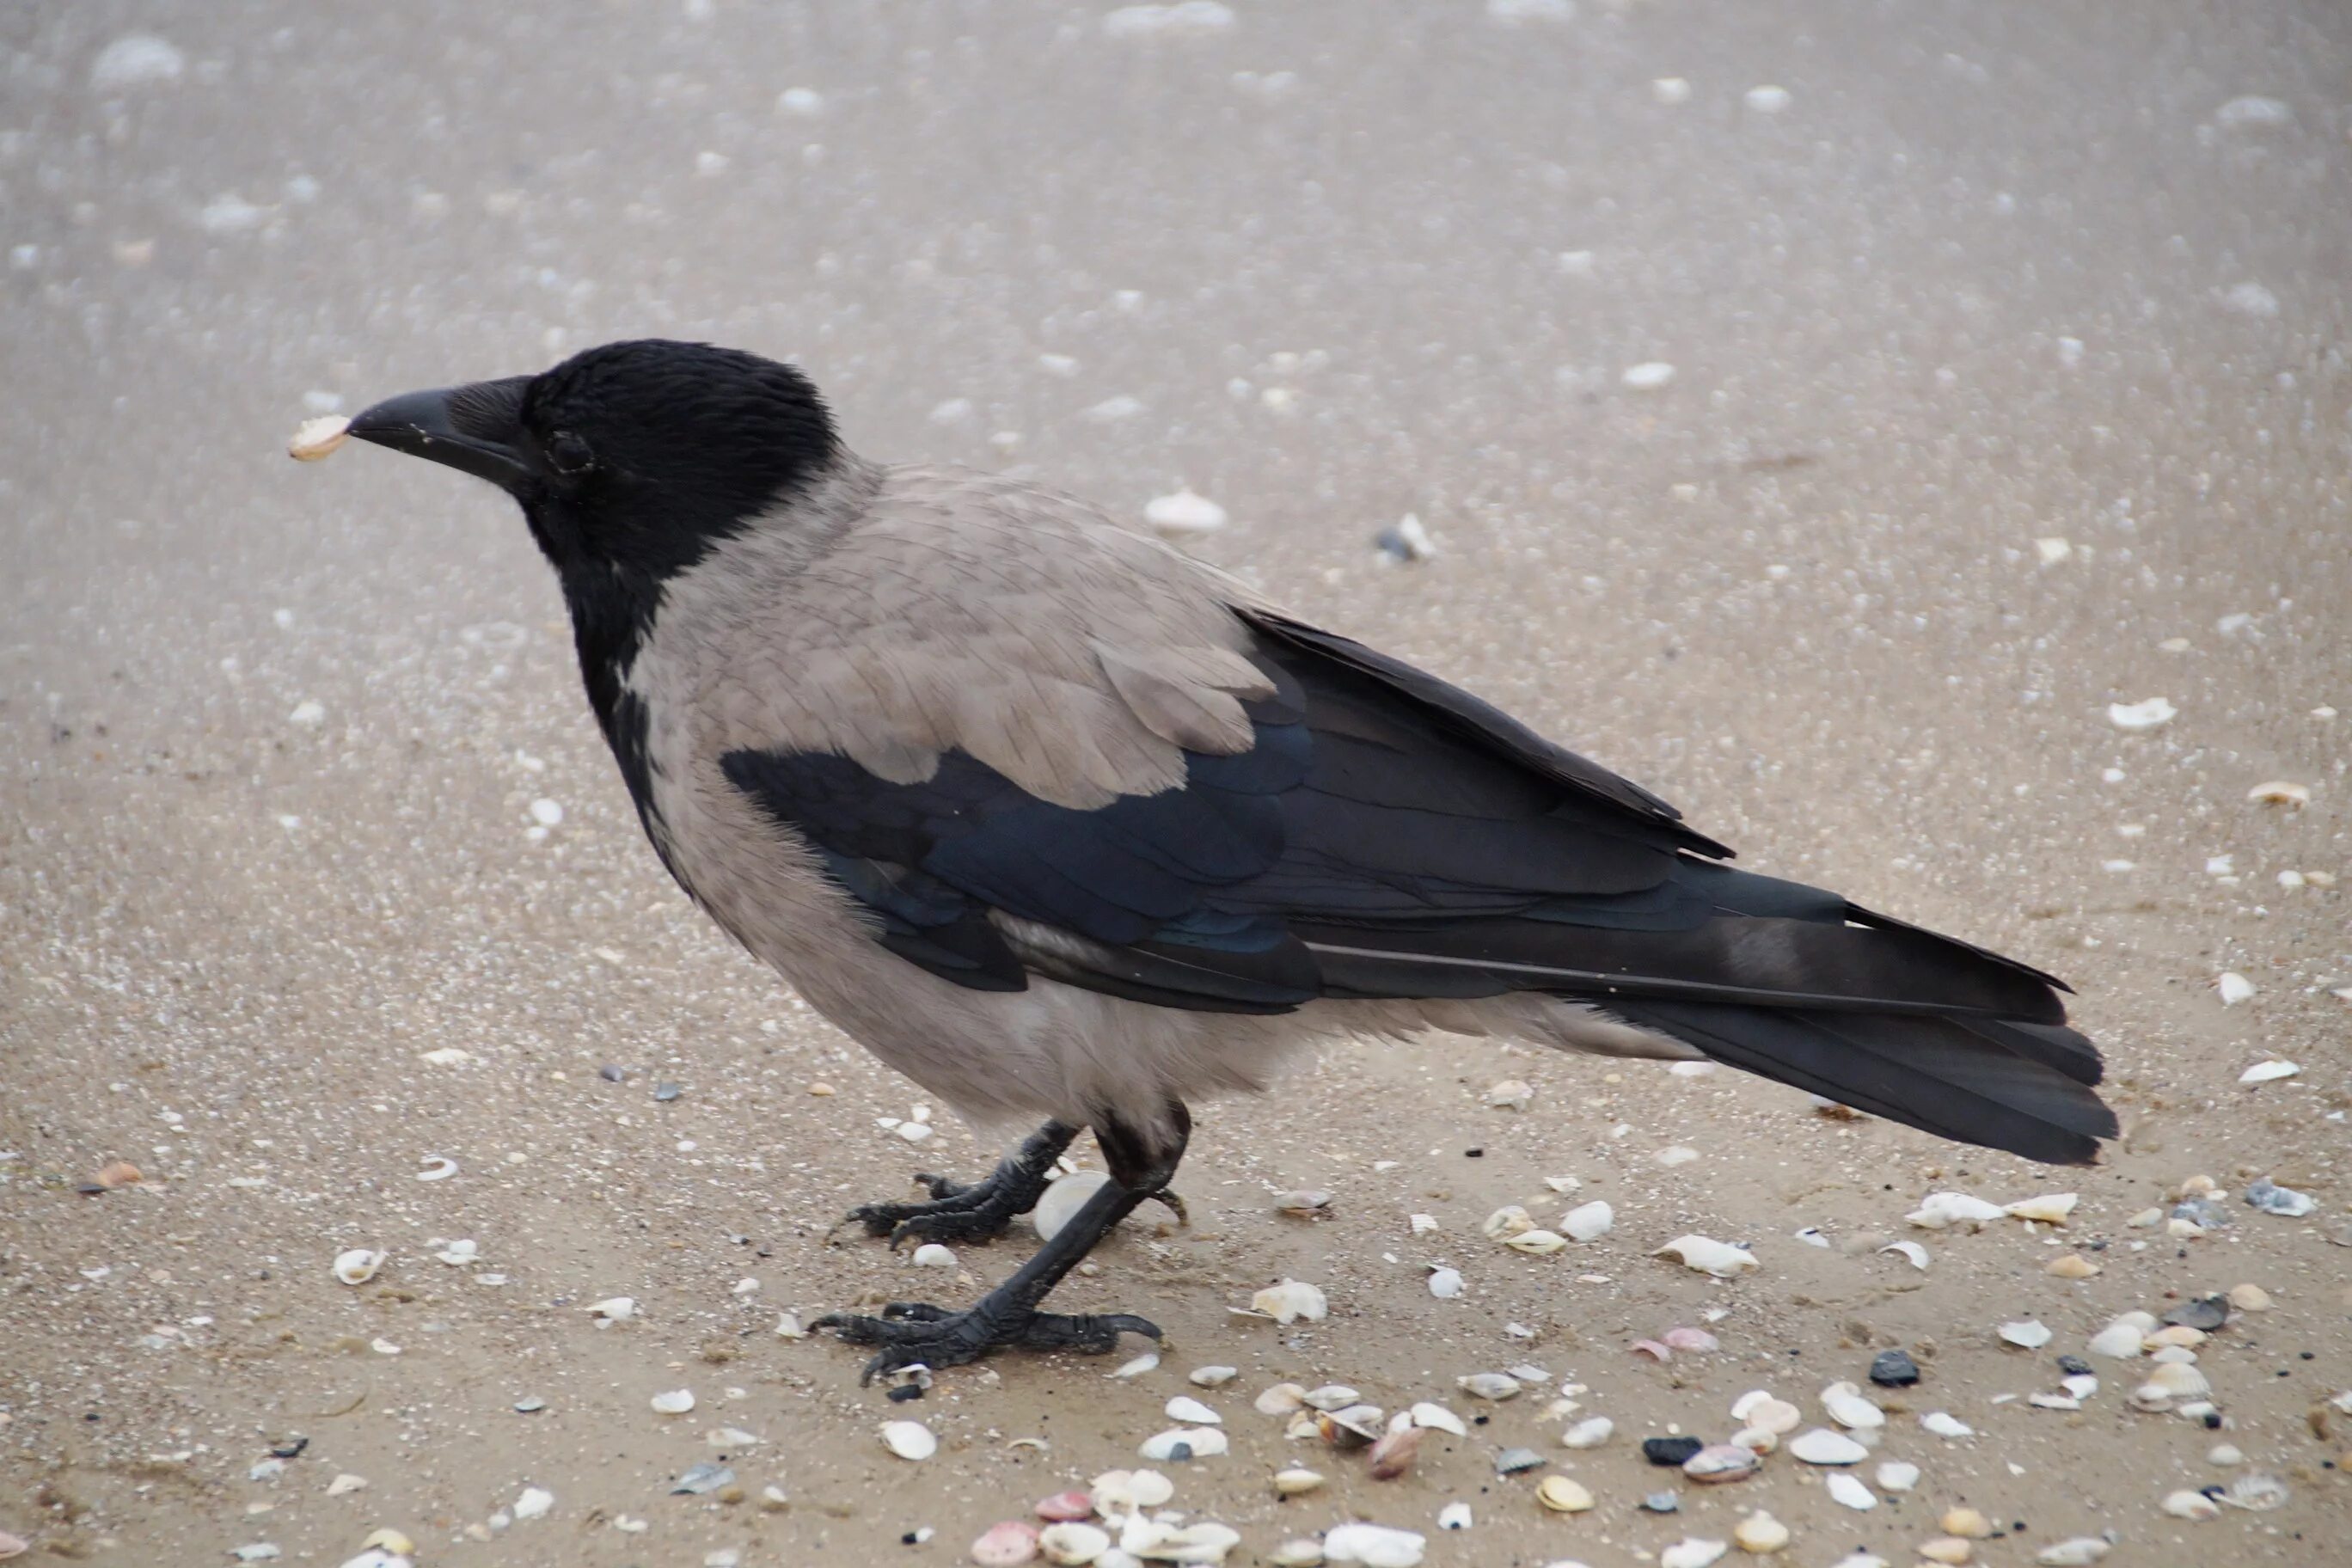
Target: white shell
346, 1483
1427, 1413
357, 1265
2265, 1071
1197, 1442
1289, 1302
1506, 1222
1453, 1516
1823, 1446
1911, 1250
2256, 1492
1588, 1222
1588, 1434
1721, 1462
1296, 1481
1756, 1440
1899, 1476
1065, 1198
932, 1255
460, 1253
1849, 1407
1127, 1491
1298, 1551
1147, 1362
1540, 1243
2082, 1386
1330, 1397
2050, 1208
1511, 1094
2153, 713
534, 1503
909, 1439
1938, 1211
1192, 1413
2232, 988
1184, 513
1373, 1545
2186, 1504
1206, 1542
1280, 1400
1775, 1416
1945, 1425
2119, 1341
1489, 1385
1445, 1284
317, 439
1709, 1255
2030, 1334
2075, 1551
2280, 792
1691, 1551
1760, 1534
677, 1402
437, 1168
613, 1309
1073, 1545
1213, 1376
1849, 1492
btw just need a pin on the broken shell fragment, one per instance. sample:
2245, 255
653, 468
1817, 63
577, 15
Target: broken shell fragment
2233, 988
2075, 1552
2256, 1492
1590, 1433
1429, 1413
675, 1402
2265, 1071
2030, 1334
2186, 1504
1280, 1400
357, 1265
1561, 1494
1489, 1385
1699, 1341
317, 439
1393, 1455
2051, 1208
1911, 1251
2072, 1266
1944, 1423
1847, 1491
1691, 1551
2280, 792
2153, 713
1709, 1255
1291, 1302
909, 1439
1899, 1476
613, 1309
1506, 1222
1939, 1211
1588, 1222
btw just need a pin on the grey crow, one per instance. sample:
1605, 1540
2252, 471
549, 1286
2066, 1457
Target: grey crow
1063, 825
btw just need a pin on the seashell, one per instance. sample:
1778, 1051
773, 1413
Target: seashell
2206, 1312
1697, 1340
1741, 1406
2249, 1298
389, 1539
1445, 1284
316, 439
1427, 1413
1302, 1424
344, 1484
1821, 1445
1774, 1416
1184, 513
1721, 1462
1562, 1494
1536, 1243
1005, 1544
1510, 1094
1168, 1543
1213, 1376
613, 1309
1453, 1516
1760, 1534
2266, 1071
1147, 1362
1507, 1221
1330, 1397
1588, 1434
2054, 1402
1940, 1211
1280, 1400
2233, 988
2172, 1353
1127, 1491
1899, 1476
1060, 1203
1072, 1542
1311, 1203
357, 1265
534, 1503
2280, 792
1299, 1552
2271, 1198
2118, 1341
2070, 1266
2082, 1386
2050, 1209
932, 1255
2153, 713
457, 1254
1651, 1349
1183, 1443
1288, 1302
1295, 1482
1512, 1461
1945, 1549
1393, 1455
1755, 1439
1965, 1522
1588, 1222
2224, 1455
2256, 1492
1707, 1256
2186, 1504
437, 1168
2030, 1334
677, 1402
1490, 1384
1678, 1154
1350, 1428
1850, 1408
1847, 1491
1691, 1551
1065, 1507
1192, 1413
1423, 1223
1372, 1545
1943, 1424
2075, 1552
1811, 1235
909, 1439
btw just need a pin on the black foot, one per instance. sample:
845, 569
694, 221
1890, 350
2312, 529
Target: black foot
956, 1212
914, 1332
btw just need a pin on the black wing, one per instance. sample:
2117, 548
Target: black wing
1390, 836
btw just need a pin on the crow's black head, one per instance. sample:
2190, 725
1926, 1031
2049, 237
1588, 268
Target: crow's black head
636, 455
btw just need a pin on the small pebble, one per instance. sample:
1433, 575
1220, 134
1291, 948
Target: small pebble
1661, 1502
1760, 1534
1670, 1452
1445, 1284
1894, 1369
677, 1402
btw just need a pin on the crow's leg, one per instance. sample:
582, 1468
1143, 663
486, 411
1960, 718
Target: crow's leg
976, 1213
1141, 1165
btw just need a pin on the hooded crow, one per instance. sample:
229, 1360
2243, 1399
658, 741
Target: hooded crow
1065, 826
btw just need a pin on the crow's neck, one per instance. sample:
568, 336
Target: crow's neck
613, 610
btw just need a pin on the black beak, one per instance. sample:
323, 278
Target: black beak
476, 429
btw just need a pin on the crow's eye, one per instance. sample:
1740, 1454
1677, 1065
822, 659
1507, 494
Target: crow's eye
568, 453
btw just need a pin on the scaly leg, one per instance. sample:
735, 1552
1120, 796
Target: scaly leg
1141, 1165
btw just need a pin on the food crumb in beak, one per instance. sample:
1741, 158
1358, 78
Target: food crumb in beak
318, 437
